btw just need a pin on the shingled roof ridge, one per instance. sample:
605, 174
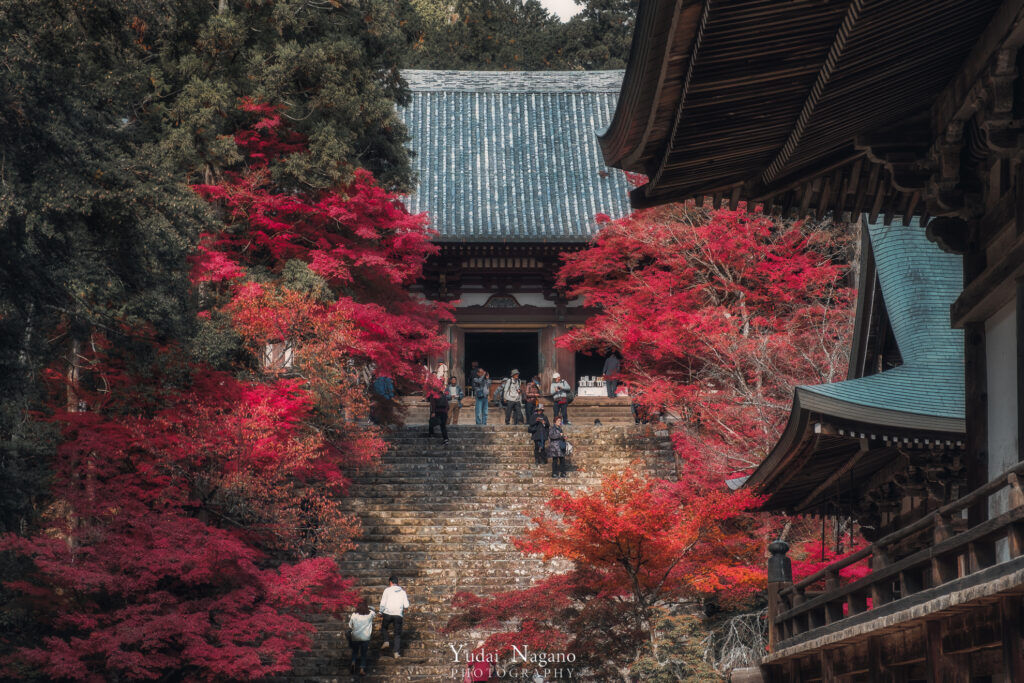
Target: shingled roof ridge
428, 80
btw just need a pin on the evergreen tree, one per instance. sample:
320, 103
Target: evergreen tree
501, 35
331, 66
519, 35
599, 37
95, 231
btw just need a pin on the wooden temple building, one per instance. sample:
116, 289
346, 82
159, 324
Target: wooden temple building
511, 175
910, 113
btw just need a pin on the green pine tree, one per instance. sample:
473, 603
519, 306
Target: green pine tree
332, 66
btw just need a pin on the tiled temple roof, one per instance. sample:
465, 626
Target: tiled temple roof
919, 282
513, 156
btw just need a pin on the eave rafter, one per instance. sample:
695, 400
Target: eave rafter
824, 76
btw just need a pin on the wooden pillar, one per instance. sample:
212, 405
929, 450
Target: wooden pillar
565, 359
457, 354
941, 667
547, 356
976, 413
828, 669
1020, 368
780, 575
878, 672
1013, 638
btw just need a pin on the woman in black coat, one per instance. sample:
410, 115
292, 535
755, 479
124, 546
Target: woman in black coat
539, 434
556, 448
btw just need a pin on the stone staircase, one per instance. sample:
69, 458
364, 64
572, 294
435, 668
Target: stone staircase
441, 519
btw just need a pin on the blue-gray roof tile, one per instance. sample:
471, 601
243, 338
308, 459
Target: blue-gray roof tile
513, 156
919, 282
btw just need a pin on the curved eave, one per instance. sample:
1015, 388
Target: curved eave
796, 435
829, 406
810, 409
664, 28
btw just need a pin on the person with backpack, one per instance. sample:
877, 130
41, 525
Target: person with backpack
481, 389
512, 398
557, 446
539, 433
561, 394
360, 625
453, 392
438, 414
531, 394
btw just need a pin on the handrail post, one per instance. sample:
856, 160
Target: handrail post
780, 575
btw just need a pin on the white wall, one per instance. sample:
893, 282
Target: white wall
1001, 361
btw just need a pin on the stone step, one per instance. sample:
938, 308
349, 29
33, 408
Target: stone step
443, 519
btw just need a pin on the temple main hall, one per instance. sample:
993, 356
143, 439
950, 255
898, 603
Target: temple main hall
511, 174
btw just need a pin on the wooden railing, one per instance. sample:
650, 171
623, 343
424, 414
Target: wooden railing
794, 610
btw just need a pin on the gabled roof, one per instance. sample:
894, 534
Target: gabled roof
849, 428
513, 156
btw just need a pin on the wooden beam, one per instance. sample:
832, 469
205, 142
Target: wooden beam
992, 289
846, 467
1006, 29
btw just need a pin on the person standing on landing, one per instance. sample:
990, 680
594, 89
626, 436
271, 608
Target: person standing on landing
556, 448
531, 394
559, 391
481, 392
453, 392
512, 392
361, 624
611, 367
539, 433
393, 603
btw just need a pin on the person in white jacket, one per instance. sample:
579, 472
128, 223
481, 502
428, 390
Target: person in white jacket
393, 603
361, 624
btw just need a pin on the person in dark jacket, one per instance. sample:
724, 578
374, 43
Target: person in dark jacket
556, 448
438, 414
382, 399
611, 367
539, 433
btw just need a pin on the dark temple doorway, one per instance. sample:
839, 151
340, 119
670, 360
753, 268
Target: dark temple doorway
589, 365
499, 352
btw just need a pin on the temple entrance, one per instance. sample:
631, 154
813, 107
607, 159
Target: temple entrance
499, 352
589, 365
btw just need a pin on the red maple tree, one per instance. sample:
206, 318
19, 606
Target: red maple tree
637, 546
195, 515
718, 315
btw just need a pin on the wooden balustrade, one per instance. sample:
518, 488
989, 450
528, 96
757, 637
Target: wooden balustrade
795, 610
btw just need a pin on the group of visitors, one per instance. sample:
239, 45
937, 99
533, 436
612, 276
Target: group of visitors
518, 399
393, 603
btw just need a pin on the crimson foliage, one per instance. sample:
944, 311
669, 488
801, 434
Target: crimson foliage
195, 515
718, 316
